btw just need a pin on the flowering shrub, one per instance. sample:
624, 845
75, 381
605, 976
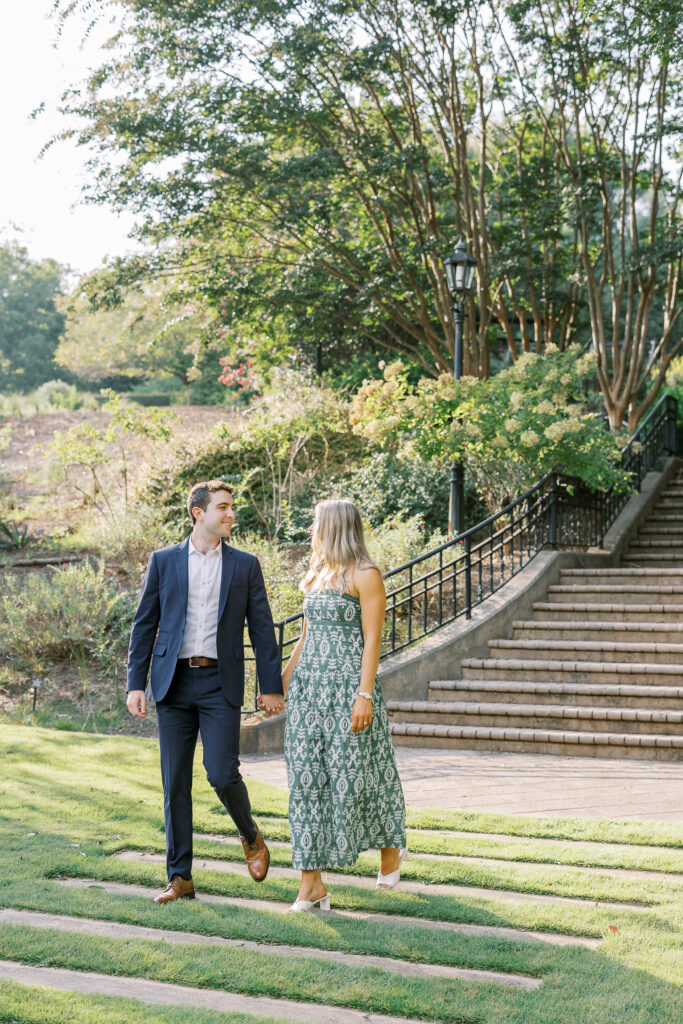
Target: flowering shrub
508, 430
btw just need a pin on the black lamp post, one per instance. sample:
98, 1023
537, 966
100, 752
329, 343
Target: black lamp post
460, 269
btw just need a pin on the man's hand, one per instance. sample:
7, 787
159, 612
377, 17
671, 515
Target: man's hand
271, 703
137, 703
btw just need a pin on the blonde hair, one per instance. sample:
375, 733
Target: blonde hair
337, 542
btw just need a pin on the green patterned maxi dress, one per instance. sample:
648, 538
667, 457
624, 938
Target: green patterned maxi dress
345, 795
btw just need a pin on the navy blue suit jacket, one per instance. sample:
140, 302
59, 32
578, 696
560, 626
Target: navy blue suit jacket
159, 623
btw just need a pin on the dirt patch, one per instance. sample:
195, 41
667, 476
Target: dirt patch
28, 486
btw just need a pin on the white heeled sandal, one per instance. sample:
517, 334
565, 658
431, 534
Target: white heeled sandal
390, 881
306, 906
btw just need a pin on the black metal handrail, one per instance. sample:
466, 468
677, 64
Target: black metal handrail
449, 581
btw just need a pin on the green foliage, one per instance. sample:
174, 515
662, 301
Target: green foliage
126, 540
12, 535
59, 395
275, 451
387, 488
54, 396
509, 430
295, 436
283, 569
30, 322
146, 335
398, 541
310, 174
72, 614
84, 446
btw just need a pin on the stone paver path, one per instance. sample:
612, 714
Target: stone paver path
180, 995
503, 783
516, 934
115, 929
674, 877
423, 888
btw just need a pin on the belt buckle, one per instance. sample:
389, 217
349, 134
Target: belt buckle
190, 663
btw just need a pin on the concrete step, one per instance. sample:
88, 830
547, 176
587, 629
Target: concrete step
656, 698
610, 593
551, 671
589, 650
577, 629
670, 542
665, 559
611, 575
661, 530
665, 518
538, 741
589, 612
580, 718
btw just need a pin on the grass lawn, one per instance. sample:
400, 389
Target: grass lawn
70, 803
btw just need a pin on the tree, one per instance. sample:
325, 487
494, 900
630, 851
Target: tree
143, 336
86, 448
608, 91
313, 164
30, 322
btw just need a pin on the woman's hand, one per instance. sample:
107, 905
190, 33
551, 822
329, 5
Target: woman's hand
361, 716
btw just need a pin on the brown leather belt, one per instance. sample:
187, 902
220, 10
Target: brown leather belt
198, 662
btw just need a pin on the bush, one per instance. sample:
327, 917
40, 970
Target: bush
509, 430
53, 396
150, 398
283, 571
127, 539
398, 541
388, 488
280, 459
72, 614
59, 395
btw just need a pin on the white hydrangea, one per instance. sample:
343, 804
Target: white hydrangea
529, 437
555, 431
516, 400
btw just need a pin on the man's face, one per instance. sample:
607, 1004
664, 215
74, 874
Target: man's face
219, 515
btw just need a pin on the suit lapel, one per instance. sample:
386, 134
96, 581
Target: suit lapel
227, 569
181, 570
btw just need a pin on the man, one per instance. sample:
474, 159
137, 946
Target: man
195, 601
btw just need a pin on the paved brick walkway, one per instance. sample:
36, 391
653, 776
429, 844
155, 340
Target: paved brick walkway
500, 783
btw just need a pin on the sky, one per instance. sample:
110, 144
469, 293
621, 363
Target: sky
40, 198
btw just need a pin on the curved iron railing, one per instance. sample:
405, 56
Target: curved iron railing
439, 586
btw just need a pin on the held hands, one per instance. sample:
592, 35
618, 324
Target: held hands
137, 703
271, 703
361, 716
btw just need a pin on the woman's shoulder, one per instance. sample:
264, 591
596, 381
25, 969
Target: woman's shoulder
363, 578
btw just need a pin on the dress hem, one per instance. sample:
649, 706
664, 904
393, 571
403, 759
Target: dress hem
328, 866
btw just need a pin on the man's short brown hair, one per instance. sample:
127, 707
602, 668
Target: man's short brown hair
200, 494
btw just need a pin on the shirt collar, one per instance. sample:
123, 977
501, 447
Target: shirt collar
209, 554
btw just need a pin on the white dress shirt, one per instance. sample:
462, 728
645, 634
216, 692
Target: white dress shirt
203, 593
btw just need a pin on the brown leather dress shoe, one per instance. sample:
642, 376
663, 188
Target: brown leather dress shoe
177, 889
257, 857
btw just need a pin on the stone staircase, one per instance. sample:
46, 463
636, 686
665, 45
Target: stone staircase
597, 672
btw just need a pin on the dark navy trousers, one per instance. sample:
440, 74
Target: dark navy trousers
195, 705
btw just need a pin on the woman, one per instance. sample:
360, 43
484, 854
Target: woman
345, 795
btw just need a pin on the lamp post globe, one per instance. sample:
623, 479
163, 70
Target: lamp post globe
460, 268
